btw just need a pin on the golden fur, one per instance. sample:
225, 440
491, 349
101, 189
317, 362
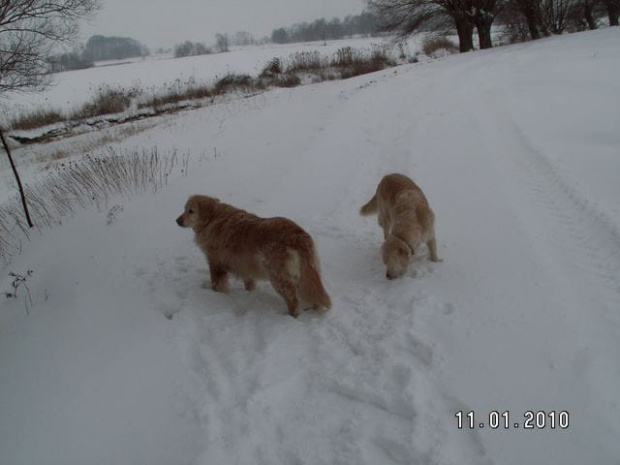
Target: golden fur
406, 219
240, 243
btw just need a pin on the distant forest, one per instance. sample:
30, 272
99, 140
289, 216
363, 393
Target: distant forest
98, 48
364, 24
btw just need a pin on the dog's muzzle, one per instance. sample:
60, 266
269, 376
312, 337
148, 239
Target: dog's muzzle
180, 221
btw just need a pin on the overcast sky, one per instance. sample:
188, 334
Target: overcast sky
164, 23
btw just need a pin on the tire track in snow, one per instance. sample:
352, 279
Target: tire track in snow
579, 249
581, 230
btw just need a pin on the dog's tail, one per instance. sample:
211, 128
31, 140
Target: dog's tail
310, 286
371, 207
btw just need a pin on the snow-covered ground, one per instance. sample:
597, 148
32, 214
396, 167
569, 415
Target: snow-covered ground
518, 151
154, 73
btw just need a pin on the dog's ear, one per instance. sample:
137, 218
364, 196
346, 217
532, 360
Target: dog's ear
207, 206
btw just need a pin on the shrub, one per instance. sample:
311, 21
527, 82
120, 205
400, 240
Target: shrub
20, 281
69, 61
274, 66
175, 93
221, 42
352, 62
37, 118
198, 92
431, 46
305, 62
344, 57
107, 100
288, 80
231, 82
189, 48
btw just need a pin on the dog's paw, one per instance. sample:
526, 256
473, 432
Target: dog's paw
221, 285
206, 285
317, 309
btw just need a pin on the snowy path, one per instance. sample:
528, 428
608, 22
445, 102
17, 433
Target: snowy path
523, 306
521, 315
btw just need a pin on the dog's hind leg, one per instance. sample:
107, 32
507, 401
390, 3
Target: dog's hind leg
432, 247
288, 290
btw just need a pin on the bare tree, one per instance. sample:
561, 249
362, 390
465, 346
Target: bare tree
221, 42
407, 16
29, 30
556, 14
485, 12
587, 9
613, 11
531, 12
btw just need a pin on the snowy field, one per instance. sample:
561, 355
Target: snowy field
518, 151
72, 88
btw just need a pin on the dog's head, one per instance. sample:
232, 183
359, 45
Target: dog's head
396, 256
199, 209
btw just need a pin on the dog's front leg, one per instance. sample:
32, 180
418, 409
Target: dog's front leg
219, 277
385, 225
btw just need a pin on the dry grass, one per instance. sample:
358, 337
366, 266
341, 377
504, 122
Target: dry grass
92, 181
175, 93
301, 67
305, 62
287, 80
273, 67
93, 143
351, 62
235, 82
435, 46
107, 101
37, 118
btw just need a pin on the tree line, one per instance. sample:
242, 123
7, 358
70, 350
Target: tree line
98, 48
321, 29
524, 18
189, 48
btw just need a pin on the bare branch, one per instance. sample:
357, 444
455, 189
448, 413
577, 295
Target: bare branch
29, 29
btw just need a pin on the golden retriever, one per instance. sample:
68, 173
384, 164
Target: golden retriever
237, 242
406, 219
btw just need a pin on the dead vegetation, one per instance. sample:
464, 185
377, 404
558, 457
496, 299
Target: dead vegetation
91, 181
436, 46
119, 105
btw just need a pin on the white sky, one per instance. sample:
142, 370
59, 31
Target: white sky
164, 23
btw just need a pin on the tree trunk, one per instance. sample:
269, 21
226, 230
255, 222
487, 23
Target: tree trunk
532, 23
613, 9
465, 30
17, 178
484, 33
587, 14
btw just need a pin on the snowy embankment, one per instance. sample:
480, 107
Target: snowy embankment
517, 151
